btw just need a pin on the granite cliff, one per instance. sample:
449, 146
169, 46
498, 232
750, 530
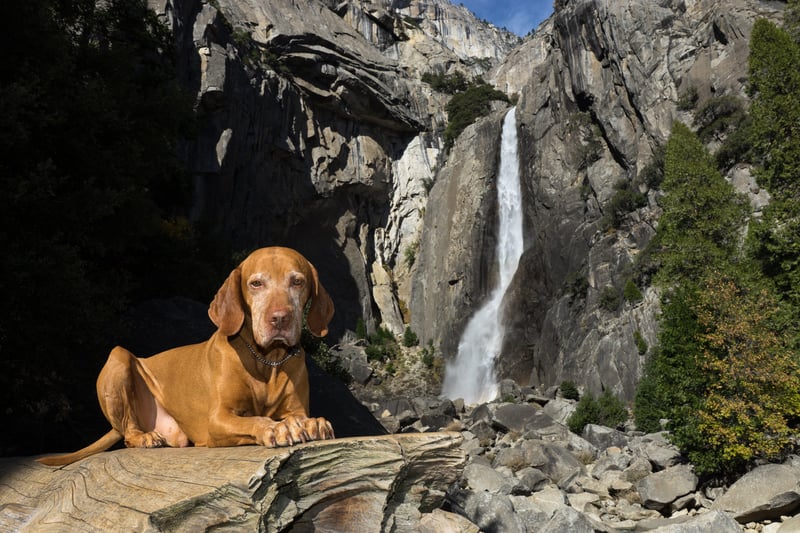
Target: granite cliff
317, 132
598, 87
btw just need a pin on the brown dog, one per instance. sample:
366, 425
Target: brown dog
247, 384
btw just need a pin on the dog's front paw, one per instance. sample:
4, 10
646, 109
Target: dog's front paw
279, 434
295, 430
307, 429
320, 428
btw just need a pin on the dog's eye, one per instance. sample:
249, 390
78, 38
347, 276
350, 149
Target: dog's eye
256, 284
297, 282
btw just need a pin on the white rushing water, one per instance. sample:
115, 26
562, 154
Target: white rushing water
471, 375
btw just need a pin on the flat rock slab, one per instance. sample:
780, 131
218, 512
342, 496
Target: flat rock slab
766, 492
355, 484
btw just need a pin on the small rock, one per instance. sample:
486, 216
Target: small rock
532, 479
549, 499
607, 461
484, 433
619, 487
581, 500
483, 478
637, 470
790, 525
513, 458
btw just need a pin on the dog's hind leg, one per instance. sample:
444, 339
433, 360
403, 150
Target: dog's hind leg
127, 402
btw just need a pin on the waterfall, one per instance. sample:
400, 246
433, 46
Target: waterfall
471, 375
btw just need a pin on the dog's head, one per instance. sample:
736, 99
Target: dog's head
269, 292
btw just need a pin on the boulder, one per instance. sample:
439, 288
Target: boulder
657, 449
483, 432
492, 513
568, 519
510, 391
554, 460
715, 521
611, 460
766, 492
550, 499
519, 417
439, 521
603, 437
354, 359
660, 489
637, 470
559, 409
483, 478
530, 513
512, 458
353, 484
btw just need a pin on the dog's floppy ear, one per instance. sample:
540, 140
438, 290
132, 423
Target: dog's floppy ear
321, 310
227, 309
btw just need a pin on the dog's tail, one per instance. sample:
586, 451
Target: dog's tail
100, 445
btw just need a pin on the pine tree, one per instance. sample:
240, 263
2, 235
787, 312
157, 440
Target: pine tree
774, 241
703, 215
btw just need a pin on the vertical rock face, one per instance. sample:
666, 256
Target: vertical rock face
620, 67
316, 132
456, 258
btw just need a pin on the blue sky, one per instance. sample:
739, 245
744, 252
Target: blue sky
519, 16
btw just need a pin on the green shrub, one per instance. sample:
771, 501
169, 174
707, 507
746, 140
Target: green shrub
569, 391
467, 106
410, 338
589, 147
382, 346
576, 284
626, 199
361, 329
427, 357
641, 344
610, 298
381, 336
737, 146
653, 172
375, 352
410, 253
446, 83
607, 411
688, 99
319, 350
717, 116
631, 292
